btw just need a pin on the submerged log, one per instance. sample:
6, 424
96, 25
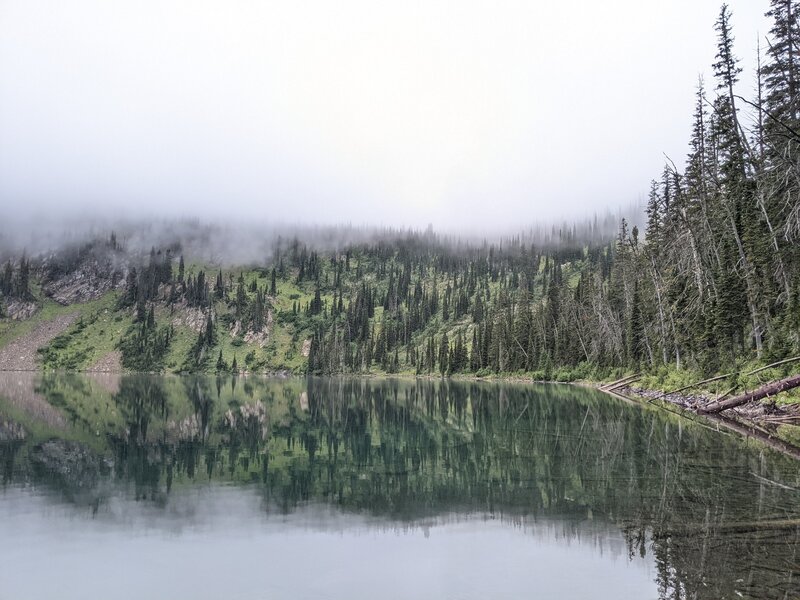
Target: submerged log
734, 527
771, 389
763, 436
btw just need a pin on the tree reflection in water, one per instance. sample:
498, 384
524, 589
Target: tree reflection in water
718, 515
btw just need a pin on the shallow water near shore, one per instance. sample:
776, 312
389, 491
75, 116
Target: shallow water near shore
205, 487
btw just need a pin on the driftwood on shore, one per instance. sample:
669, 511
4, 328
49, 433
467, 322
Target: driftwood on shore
771, 389
619, 383
727, 375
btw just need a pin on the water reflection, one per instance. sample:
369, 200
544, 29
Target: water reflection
213, 542
717, 516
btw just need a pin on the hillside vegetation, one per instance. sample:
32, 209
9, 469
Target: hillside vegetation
711, 284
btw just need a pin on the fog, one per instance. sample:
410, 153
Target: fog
238, 242
478, 116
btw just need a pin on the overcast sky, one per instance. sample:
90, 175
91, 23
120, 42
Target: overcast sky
465, 114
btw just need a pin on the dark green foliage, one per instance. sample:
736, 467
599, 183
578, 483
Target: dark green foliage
199, 356
444, 355
222, 366
781, 75
196, 291
59, 356
145, 345
219, 287
15, 282
142, 285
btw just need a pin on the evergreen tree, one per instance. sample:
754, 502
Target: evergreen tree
444, 355
221, 365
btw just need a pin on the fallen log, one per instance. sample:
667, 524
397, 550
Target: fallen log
613, 384
720, 377
691, 385
625, 383
741, 527
770, 389
775, 364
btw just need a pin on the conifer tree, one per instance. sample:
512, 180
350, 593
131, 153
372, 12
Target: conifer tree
444, 355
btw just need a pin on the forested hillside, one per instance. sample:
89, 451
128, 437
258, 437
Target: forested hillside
712, 282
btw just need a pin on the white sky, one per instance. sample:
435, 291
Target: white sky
466, 114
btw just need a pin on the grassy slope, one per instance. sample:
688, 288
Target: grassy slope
92, 336
11, 329
100, 326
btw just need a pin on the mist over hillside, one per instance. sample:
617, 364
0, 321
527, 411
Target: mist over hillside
241, 242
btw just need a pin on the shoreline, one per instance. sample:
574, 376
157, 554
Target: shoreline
739, 422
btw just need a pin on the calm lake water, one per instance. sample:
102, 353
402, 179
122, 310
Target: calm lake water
201, 487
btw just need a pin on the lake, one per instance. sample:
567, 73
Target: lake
241, 487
